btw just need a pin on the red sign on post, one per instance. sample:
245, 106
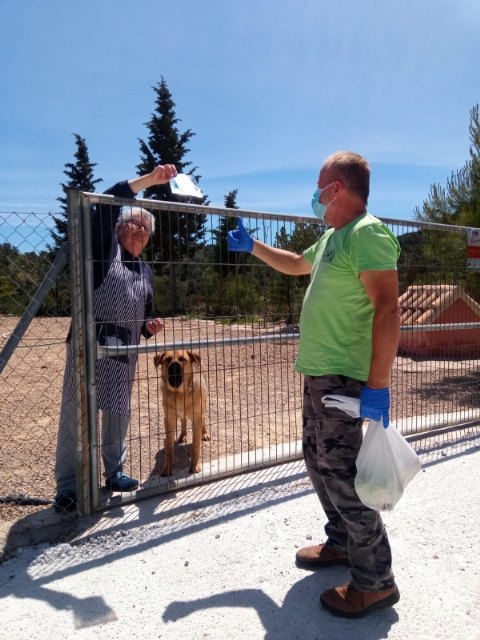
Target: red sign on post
473, 249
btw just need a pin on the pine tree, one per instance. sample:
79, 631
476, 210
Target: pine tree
177, 234
80, 176
231, 199
459, 202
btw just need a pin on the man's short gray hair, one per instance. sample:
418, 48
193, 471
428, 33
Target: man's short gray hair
136, 213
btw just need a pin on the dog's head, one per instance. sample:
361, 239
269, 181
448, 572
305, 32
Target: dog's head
176, 367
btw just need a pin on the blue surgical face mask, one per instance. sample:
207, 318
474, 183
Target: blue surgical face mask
320, 209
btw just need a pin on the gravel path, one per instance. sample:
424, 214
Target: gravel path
269, 414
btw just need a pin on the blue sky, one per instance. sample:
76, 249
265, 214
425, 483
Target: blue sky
270, 87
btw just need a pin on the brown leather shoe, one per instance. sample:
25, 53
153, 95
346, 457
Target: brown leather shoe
320, 555
348, 602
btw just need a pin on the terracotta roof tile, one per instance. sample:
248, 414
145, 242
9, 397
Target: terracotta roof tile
424, 304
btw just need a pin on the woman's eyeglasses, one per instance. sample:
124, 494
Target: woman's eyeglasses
141, 226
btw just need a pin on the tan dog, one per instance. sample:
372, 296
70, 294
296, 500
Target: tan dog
184, 395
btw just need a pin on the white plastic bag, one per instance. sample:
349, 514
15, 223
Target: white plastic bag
385, 465
386, 462
344, 403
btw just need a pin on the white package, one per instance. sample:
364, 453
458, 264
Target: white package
184, 185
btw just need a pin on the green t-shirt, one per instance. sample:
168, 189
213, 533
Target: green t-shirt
336, 318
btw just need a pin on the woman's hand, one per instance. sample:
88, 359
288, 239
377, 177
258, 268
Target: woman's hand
162, 174
155, 325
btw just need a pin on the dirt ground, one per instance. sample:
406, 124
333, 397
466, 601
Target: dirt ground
254, 401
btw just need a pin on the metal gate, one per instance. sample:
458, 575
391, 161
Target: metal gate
247, 347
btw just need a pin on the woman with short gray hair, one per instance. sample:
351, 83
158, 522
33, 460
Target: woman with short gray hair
123, 307
137, 214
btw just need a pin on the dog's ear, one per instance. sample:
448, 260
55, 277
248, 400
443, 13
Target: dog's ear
195, 357
158, 359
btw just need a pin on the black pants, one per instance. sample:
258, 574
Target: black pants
331, 441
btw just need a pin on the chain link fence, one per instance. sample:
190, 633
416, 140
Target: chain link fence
241, 318
33, 327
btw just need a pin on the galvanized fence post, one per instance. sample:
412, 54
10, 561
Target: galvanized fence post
78, 337
91, 466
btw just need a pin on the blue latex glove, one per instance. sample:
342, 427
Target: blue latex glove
375, 404
240, 239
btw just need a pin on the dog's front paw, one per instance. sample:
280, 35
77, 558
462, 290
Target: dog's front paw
195, 468
206, 437
166, 471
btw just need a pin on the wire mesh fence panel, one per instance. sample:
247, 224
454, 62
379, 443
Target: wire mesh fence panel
253, 408
240, 323
436, 372
240, 319
33, 365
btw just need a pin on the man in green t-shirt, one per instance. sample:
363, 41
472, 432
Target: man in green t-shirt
349, 330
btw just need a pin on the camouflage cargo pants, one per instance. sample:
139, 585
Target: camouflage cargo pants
331, 441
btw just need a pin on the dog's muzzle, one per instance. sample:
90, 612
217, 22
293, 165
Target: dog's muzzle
175, 376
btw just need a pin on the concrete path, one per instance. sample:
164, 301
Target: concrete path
217, 562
